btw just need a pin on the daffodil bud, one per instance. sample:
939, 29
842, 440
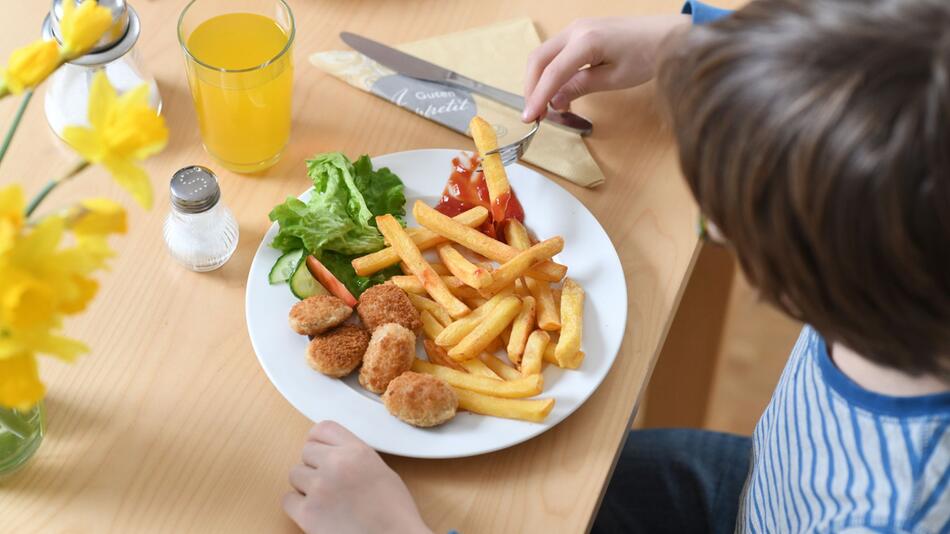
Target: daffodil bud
31, 64
83, 26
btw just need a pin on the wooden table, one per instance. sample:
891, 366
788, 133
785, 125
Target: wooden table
170, 424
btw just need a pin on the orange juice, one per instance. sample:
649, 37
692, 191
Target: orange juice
241, 74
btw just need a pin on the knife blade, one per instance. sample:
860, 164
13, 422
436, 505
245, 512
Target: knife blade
414, 67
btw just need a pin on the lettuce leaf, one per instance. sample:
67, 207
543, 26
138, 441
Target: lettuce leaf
382, 189
338, 220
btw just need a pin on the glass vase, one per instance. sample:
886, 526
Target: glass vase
21, 433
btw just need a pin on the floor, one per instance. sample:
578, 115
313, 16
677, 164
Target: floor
755, 344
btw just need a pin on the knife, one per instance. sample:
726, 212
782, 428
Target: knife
414, 67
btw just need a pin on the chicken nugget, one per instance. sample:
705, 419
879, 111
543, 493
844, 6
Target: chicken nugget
420, 400
386, 303
391, 350
318, 314
338, 352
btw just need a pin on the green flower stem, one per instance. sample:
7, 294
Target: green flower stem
52, 184
16, 123
14, 423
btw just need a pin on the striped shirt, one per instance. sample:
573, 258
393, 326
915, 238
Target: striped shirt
830, 456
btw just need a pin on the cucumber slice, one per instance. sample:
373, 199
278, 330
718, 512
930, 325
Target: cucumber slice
285, 266
303, 284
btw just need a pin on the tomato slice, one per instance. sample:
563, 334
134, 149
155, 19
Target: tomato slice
326, 278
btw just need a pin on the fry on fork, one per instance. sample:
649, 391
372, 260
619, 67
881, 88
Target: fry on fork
499, 190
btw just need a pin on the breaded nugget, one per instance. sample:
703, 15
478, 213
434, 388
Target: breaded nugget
338, 352
318, 314
387, 303
391, 350
420, 400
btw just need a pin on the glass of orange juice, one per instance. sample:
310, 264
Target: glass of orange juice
238, 55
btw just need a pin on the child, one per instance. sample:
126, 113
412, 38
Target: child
815, 136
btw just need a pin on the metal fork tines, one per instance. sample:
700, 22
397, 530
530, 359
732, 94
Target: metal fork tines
512, 152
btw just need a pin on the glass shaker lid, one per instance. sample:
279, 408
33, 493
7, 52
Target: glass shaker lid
194, 189
114, 43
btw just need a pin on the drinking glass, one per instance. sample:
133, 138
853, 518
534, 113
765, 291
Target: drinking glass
238, 56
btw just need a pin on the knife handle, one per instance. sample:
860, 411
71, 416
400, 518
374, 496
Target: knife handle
569, 120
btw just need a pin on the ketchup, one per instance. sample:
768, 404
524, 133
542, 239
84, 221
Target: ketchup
467, 189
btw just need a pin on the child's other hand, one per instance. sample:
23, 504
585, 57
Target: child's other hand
621, 53
342, 486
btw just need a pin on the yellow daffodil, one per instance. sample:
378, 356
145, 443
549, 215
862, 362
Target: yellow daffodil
83, 26
98, 216
12, 205
29, 65
20, 385
124, 130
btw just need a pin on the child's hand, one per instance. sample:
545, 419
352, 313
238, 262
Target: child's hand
621, 53
343, 487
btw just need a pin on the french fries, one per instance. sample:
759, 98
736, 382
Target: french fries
438, 356
423, 304
517, 235
495, 177
527, 386
488, 328
535, 410
548, 317
411, 284
474, 302
520, 330
521, 262
431, 326
437, 267
521, 289
572, 325
478, 368
479, 242
466, 271
409, 252
502, 369
534, 352
549, 356
461, 328
422, 237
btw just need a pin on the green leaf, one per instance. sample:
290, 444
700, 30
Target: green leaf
339, 216
382, 189
341, 267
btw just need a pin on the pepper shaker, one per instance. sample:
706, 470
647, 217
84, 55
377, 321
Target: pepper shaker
67, 95
200, 231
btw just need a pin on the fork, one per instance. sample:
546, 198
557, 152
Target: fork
512, 152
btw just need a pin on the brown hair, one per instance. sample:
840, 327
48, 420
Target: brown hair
816, 136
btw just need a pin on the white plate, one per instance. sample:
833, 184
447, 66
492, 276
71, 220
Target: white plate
549, 211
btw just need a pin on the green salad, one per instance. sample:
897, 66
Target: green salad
336, 224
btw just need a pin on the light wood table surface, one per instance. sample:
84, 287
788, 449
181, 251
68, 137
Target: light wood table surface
170, 425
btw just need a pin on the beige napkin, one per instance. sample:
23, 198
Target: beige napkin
495, 55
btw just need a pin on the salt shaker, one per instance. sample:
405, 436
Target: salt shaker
67, 94
200, 231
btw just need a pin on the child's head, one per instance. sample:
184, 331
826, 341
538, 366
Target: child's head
816, 136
